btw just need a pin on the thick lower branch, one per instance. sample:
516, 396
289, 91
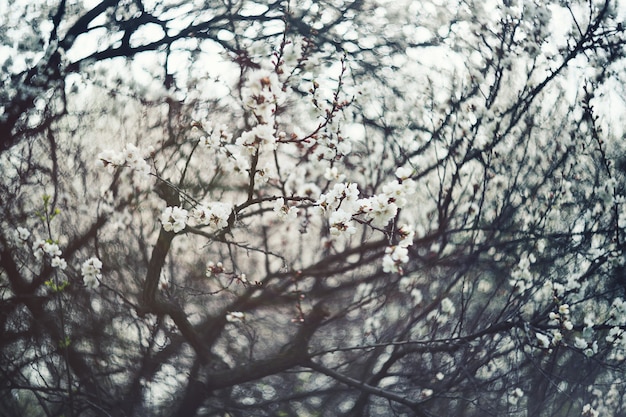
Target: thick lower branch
362, 386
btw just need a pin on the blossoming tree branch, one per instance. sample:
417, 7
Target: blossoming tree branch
341, 208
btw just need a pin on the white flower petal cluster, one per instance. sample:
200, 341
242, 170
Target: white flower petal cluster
45, 247
589, 411
333, 174
341, 223
407, 234
583, 341
58, 262
395, 257
135, 159
174, 219
213, 214
130, 156
266, 173
379, 209
235, 316
398, 255
544, 340
260, 136
235, 161
233, 157
261, 93
515, 396
22, 234
522, 277
404, 173
588, 348
214, 269
111, 159
331, 146
342, 194
342, 202
292, 53
561, 317
283, 211
616, 336
218, 137
398, 192
91, 272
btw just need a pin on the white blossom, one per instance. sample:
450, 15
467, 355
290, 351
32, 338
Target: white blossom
284, 211
43, 248
580, 343
341, 222
515, 396
58, 262
213, 269
397, 192
22, 233
379, 210
91, 272
447, 306
261, 135
213, 214
111, 159
218, 137
344, 147
261, 93
543, 340
395, 257
342, 194
130, 156
403, 173
333, 174
235, 316
174, 219
407, 234
589, 411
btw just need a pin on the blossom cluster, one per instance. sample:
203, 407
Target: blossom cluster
130, 156
217, 137
49, 249
235, 316
515, 395
342, 203
522, 277
174, 219
91, 271
561, 322
214, 269
262, 92
22, 234
283, 210
560, 319
398, 255
219, 140
260, 136
617, 335
214, 214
